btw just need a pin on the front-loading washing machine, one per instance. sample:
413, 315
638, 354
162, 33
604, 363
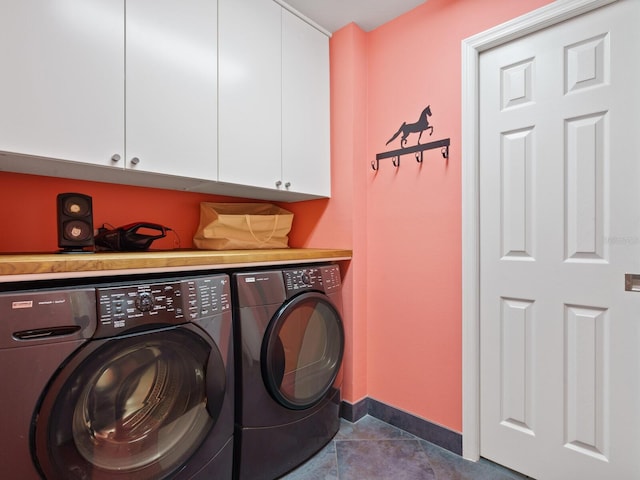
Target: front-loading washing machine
289, 345
116, 380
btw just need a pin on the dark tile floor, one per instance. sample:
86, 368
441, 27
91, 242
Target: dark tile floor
373, 450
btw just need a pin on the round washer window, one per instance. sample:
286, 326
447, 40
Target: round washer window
302, 350
135, 408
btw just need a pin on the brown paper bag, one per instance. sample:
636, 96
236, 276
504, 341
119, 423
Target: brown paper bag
241, 226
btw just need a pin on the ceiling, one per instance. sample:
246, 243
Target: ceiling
368, 14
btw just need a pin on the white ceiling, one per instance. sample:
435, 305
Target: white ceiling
368, 14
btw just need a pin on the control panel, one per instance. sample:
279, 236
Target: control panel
122, 308
324, 279
331, 278
206, 296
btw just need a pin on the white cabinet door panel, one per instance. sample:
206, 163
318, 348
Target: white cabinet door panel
62, 83
305, 107
249, 102
171, 87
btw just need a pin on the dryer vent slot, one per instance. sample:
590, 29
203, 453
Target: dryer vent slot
40, 333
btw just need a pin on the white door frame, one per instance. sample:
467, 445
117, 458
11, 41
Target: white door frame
472, 47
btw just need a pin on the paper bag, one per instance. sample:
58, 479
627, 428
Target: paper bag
242, 226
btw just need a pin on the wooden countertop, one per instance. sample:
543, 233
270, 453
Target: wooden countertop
18, 267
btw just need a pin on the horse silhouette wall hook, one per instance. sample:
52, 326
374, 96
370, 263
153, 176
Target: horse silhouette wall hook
419, 127
406, 129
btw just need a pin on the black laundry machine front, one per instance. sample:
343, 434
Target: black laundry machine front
115, 381
289, 345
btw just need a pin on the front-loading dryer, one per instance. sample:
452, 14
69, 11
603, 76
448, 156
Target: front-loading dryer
118, 381
289, 346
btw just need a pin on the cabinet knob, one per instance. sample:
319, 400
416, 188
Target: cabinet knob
115, 158
135, 161
287, 185
279, 183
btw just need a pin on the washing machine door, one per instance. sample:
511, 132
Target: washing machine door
302, 350
133, 407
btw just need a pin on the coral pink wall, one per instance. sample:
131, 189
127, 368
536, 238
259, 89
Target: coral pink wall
414, 327
28, 210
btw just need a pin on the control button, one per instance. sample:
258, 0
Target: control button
305, 278
144, 302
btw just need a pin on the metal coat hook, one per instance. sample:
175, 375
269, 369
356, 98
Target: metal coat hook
417, 150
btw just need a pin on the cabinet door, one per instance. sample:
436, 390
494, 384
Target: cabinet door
250, 92
171, 87
62, 81
305, 107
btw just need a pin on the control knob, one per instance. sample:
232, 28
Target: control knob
144, 301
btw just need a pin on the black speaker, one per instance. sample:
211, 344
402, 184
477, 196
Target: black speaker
75, 222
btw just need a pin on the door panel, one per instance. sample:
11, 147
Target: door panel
171, 87
305, 107
62, 92
559, 227
250, 86
134, 407
302, 351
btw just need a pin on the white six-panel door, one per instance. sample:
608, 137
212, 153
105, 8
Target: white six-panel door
559, 181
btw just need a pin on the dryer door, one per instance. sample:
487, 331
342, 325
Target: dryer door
302, 350
133, 407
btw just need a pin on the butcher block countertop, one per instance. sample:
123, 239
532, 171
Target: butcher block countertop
18, 267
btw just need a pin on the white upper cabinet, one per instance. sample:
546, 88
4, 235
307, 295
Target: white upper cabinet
62, 81
273, 99
305, 107
74, 89
217, 96
250, 98
171, 85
